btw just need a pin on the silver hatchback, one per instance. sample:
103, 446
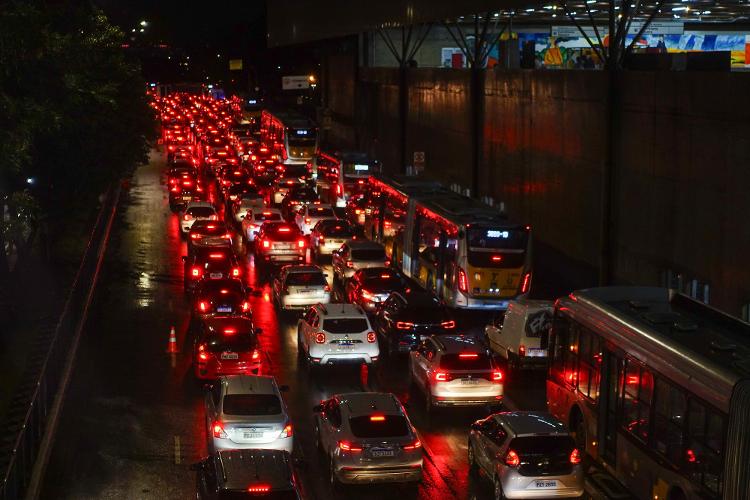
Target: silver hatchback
526, 455
366, 437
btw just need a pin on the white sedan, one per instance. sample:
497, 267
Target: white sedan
248, 202
309, 215
254, 218
196, 210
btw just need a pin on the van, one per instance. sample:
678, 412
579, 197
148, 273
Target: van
520, 334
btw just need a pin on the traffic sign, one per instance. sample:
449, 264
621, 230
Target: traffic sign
295, 82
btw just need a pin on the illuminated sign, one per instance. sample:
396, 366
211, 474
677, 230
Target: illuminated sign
360, 168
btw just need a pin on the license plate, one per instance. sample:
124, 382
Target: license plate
252, 435
224, 309
229, 355
306, 291
536, 352
345, 347
187, 198
546, 484
282, 246
382, 453
469, 381
215, 276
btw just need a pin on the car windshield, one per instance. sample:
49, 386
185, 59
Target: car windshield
368, 254
306, 279
466, 361
201, 211
379, 426
345, 325
236, 342
270, 495
251, 404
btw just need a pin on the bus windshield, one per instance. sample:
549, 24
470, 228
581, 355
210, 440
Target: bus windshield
302, 138
498, 248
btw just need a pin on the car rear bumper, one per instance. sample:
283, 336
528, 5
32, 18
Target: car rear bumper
345, 359
283, 257
210, 372
291, 302
468, 400
517, 486
285, 444
389, 474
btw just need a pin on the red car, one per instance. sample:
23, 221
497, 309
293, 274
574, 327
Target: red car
226, 345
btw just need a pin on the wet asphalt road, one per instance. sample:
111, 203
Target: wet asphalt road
133, 420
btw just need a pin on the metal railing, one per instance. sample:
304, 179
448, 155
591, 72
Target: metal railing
26, 422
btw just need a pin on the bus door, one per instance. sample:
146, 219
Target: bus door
612, 376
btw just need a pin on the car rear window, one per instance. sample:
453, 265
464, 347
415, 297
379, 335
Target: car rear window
466, 361
282, 232
345, 325
306, 279
379, 284
370, 426
244, 495
320, 212
340, 230
270, 216
209, 228
201, 211
368, 254
533, 445
251, 404
236, 343
213, 286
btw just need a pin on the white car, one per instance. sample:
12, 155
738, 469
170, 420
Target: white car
282, 187
309, 215
247, 411
255, 218
248, 202
336, 334
327, 236
355, 255
196, 210
300, 286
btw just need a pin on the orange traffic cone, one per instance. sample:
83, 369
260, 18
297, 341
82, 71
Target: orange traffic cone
172, 344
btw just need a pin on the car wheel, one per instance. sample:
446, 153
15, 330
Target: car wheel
473, 469
332, 479
499, 493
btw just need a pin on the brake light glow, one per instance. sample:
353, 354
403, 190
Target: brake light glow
497, 376
187, 217
404, 325
230, 331
235, 271
284, 229
245, 306
522, 350
349, 263
497, 258
266, 244
256, 355
448, 324
347, 446
195, 271
216, 255
287, 432
367, 295
377, 418
512, 459
203, 306
258, 488
301, 243
575, 456
468, 355
307, 220
219, 430
371, 338
463, 281
320, 338
526, 283
441, 377
414, 446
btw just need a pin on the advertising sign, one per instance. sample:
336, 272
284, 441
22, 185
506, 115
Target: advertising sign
295, 82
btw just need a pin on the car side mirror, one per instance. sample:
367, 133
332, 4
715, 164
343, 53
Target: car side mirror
318, 409
284, 388
197, 466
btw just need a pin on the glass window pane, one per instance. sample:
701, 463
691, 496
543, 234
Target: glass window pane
715, 432
583, 379
632, 379
647, 387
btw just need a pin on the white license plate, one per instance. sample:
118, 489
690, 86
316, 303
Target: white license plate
215, 276
536, 352
382, 453
229, 355
307, 291
282, 246
469, 381
545, 484
252, 435
345, 347
224, 309
187, 198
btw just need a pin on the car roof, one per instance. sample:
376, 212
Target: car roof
341, 310
249, 384
363, 244
301, 268
242, 468
525, 423
365, 403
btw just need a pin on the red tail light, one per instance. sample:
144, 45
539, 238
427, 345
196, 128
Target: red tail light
256, 355
497, 376
195, 271
235, 271
301, 243
187, 217
245, 306
322, 240
371, 337
320, 338
526, 283
288, 431
219, 430
307, 220
266, 244
202, 354
413, 446
522, 350
463, 281
512, 459
227, 236
404, 325
349, 263
327, 288
339, 190
203, 306
468, 355
441, 376
575, 456
448, 324
350, 447
367, 295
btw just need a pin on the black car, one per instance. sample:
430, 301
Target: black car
405, 316
210, 263
252, 473
221, 296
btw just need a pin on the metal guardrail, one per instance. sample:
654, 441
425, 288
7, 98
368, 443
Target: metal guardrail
27, 419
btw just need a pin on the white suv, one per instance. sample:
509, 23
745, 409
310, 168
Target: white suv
455, 370
309, 215
336, 334
247, 411
196, 210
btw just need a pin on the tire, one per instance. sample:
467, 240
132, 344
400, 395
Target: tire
499, 494
473, 467
579, 427
332, 479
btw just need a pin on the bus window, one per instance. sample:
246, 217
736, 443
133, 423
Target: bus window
589, 365
705, 444
669, 421
639, 384
498, 248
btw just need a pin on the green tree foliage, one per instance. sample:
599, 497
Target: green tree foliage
73, 110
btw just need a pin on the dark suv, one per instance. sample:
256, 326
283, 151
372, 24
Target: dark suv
239, 474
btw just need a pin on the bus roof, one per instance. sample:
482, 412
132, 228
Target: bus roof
411, 186
291, 119
462, 210
695, 345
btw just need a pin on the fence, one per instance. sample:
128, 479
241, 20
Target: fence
28, 417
